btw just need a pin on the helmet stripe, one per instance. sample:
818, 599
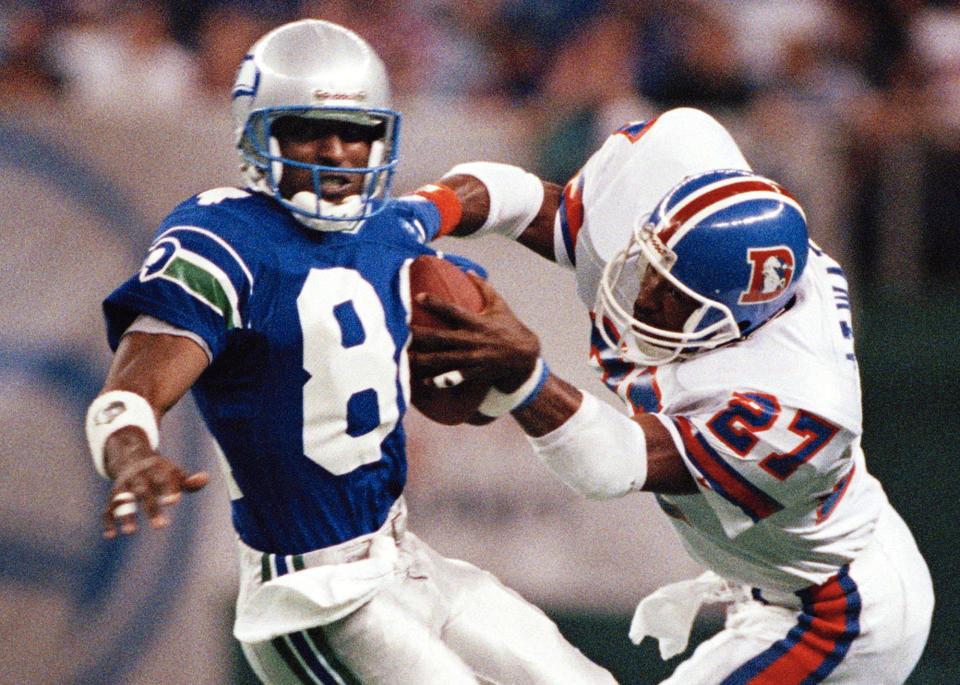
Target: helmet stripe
715, 194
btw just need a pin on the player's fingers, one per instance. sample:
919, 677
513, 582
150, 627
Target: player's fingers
168, 495
150, 489
196, 481
449, 312
108, 523
432, 363
152, 495
185, 482
171, 493
168, 498
449, 368
155, 486
478, 341
426, 339
473, 352
121, 514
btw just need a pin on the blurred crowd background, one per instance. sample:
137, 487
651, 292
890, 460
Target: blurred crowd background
112, 111
854, 102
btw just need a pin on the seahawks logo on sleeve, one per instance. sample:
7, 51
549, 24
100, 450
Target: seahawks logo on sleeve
196, 274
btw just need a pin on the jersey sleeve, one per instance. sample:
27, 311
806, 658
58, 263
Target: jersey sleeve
636, 166
422, 217
465, 264
191, 277
753, 457
568, 221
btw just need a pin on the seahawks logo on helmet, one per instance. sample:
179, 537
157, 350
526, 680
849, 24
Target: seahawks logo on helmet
247, 81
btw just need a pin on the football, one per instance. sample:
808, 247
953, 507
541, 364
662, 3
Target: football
437, 276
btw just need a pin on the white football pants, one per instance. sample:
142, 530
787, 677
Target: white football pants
432, 621
867, 626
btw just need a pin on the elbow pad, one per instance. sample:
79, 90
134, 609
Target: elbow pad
598, 451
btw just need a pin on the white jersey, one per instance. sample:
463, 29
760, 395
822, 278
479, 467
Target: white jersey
599, 208
769, 427
823, 580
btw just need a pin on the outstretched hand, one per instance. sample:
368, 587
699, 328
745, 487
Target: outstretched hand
492, 345
145, 480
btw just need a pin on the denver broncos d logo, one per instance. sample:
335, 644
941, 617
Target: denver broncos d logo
771, 272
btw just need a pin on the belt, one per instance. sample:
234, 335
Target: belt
359, 548
831, 589
355, 549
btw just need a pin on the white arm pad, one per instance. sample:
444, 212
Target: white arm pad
598, 451
112, 411
515, 196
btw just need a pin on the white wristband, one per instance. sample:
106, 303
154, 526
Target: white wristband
498, 403
112, 411
515, 196
598, 451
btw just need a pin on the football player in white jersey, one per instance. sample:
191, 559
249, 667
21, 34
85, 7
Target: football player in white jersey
728, 336
283, 305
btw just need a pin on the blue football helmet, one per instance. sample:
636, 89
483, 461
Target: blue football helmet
732, 240
315, 69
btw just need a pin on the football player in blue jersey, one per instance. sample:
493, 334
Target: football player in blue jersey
283, 306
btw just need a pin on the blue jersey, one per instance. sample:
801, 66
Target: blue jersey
309, 377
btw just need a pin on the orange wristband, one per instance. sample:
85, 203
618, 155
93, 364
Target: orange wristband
445, 200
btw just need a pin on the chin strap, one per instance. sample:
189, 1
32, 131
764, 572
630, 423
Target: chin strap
316, 208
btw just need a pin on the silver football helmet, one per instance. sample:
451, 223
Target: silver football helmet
315, 69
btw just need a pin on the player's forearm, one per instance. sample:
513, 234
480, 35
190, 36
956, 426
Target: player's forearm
538, 236
160, 368
587, 444
501, 199
149, 374
556, 402
474, 203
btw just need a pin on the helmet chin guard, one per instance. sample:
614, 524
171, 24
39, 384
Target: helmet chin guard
341, 216
731, 240
319, 70
640, 342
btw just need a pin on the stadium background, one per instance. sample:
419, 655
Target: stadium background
83, 181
